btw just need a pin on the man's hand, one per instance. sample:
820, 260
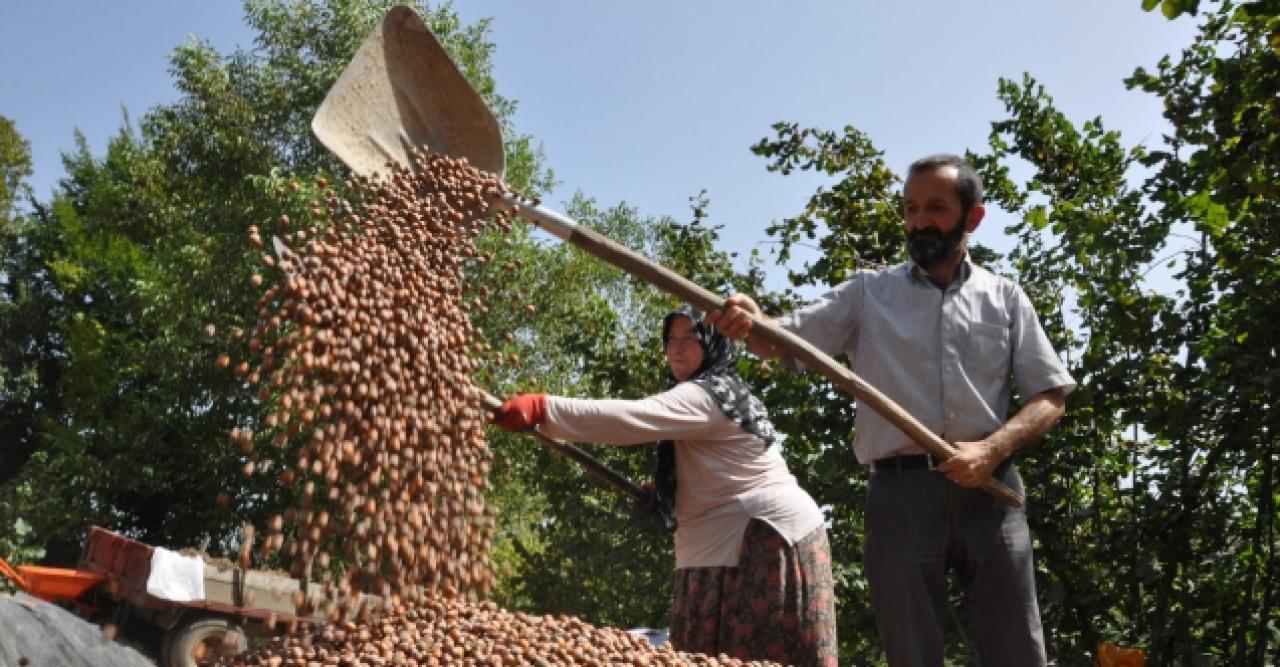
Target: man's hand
735, 321
973, 463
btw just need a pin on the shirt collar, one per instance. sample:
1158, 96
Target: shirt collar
963, 271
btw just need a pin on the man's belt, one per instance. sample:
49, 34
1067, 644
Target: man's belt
901, 463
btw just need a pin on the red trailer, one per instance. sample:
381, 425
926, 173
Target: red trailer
110, 584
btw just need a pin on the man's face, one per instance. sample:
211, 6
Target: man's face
936, 220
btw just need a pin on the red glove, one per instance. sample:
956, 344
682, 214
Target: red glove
522, 412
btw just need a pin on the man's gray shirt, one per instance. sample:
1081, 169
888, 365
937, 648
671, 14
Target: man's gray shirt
949, 358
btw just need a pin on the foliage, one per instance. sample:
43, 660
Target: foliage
16, 374
1172, 8
1215, 544
858, 216
124, 417
21, 355
1170, 439
1085, 235
142, 247
15, 168
1153, 503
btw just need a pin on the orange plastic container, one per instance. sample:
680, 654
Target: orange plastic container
54, 584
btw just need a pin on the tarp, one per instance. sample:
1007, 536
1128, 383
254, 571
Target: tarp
176, 577
47, 635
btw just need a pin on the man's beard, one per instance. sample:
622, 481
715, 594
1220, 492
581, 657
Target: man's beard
929, 247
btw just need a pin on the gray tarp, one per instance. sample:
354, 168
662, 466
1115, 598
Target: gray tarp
48, 635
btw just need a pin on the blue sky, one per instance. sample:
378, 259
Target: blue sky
651, 102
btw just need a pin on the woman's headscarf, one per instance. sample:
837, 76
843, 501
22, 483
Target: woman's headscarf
719, 378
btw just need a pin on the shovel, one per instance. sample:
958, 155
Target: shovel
491, 404
401, 91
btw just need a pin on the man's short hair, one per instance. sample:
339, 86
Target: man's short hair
968, 183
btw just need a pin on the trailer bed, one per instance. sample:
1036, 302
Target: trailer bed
229, 590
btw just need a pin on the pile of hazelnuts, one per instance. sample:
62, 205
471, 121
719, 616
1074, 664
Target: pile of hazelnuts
455, 631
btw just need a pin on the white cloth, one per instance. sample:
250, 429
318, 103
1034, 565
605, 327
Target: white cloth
176, 577
725, 475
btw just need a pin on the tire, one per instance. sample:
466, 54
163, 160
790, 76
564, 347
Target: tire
203, 639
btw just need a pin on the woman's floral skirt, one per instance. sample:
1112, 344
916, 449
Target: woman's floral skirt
778, 604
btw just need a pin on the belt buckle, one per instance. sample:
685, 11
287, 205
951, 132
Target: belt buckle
929, 462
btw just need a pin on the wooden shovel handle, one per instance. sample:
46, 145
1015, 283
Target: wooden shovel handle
675, 284
591, 463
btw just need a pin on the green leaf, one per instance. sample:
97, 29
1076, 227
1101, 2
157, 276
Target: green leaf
1038, 217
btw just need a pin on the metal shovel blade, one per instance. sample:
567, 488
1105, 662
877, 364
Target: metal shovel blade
401, 91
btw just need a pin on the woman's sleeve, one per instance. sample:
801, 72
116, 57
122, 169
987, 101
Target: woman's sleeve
684, 412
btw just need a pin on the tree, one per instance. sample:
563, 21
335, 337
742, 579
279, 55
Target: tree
15, 168
21, 354
1173, 380
1086, 241
1217, 175
142, 247
16, 381
1154, 501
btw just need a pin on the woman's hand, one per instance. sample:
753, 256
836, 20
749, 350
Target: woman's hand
521, 412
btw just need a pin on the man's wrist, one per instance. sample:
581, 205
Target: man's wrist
761, 347
999, 448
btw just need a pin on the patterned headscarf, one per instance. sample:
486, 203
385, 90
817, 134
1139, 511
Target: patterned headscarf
718, 377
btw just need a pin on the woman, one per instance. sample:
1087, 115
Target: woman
753, 567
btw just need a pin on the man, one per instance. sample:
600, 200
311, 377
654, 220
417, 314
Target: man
946, 340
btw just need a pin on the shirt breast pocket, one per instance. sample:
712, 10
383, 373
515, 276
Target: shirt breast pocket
988, 355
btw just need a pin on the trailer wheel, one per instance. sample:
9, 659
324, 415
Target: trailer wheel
201, 640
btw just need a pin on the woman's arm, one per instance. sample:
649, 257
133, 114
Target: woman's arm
682, 413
